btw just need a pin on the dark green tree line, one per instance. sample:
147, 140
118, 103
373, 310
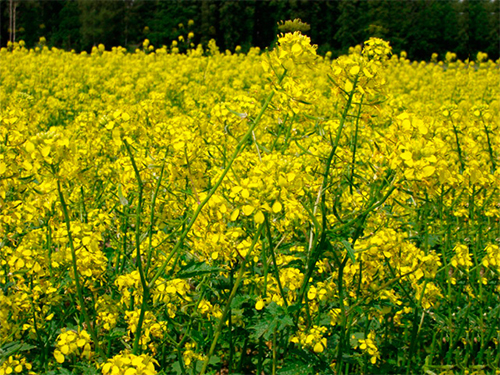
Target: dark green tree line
420, 27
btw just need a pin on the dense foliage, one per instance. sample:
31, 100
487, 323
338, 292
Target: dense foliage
277, 213
419, 27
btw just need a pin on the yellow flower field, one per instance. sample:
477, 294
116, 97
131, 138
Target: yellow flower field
274, 212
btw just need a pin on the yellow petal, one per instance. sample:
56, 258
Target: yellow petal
422, 127
407, 155
259, 217
354, 70
235, 215
348, 86
245, 193
406, 124
30, 147
318, 348
259, 305
58, 356
428, 170
27, 165
106, 368
297, 49
265, 65
45, 151
247, 209
367, 73
277, 207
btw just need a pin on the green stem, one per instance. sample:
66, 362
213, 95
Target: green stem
124, 244
152, 218
343, 322
354, 146
490, 150
314, 250
275, 357
275, 265
236, 285
415, 329
459, 149
79, 291
144, 284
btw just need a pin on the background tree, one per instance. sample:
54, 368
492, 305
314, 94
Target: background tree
101, 22
420, 27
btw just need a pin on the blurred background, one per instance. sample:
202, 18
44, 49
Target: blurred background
419, 27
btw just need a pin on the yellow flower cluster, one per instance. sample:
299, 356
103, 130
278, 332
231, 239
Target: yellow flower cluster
368, 346
16, 365
71, 342
190, 356
313, 339
152, 328
130, 364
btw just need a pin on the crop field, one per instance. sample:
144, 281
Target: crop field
275, 212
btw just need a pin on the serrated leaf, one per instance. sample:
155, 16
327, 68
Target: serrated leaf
14, 347
262, 329
238, 301
197, 269
275, 317
296, 368
59, 371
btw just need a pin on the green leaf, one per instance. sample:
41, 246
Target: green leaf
176, 368
238, 301
355, 337
296, 368
85, 369
275, 317
240, 115
14, 347
350, 250
197, 269
123, 200
59, 371
262, 329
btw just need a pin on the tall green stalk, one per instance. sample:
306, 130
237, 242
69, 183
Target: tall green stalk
314, 251
144, 284
236, 285
79, 289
